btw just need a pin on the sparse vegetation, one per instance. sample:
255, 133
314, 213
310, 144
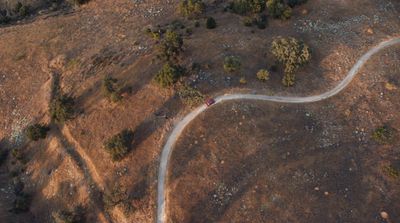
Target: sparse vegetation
383, 135
62, 108
119, 145
392, 171
243, 80
77, 215
243, 7
293, 54
263, 75
118, 196
37, 131
111, 90
232, 63
169, 75
171, 46
191, 8
211, 23
279, 9
21, 10
190, 96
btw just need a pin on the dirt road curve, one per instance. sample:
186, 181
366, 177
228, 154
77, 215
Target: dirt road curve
166, 152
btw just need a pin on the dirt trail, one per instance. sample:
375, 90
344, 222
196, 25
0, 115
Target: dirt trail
178, 129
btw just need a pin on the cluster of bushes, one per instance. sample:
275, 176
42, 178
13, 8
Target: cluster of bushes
190, 96
169, 74
232, 64
119, 145
279, 9
111, 90
293, 54
76, 215
191, 8
383, 134
62, 108
259, 20
37, 131
118, 196
170, 46
3, 155
244, 7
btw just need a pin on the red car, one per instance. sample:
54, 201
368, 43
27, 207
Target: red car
210, 102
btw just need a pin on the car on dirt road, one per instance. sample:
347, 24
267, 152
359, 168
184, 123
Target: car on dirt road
210, 102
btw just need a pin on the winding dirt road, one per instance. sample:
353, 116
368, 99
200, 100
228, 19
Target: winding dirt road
176, 132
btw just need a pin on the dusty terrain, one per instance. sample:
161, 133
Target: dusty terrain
262, 160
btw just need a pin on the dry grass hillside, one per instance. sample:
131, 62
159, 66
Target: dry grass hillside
228, 164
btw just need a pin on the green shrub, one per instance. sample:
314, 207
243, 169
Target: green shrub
111, 90
293, 54
263, 75
191, 8
211, 23
118, 196
168, 75
171, 46
190, 96
232, 63
243, 7
37, 131
383, 135
62, 108
118, 145
278, 9
247, 21
391, 171
77, 215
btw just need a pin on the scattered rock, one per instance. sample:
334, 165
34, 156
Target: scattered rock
384, 215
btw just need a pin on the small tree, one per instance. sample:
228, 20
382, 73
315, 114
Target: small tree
118, 145
232, 63
191, 8
62, 108
37, 131
211, 23
278, 9
263, 75
168, 75
111, 90
171, 46
292, 53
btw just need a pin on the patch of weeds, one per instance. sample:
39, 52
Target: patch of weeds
62, 108
190, 96
37, 131
392, 171
111, 89
383, 135
118, 145
211, 23
118, 196
232, 63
